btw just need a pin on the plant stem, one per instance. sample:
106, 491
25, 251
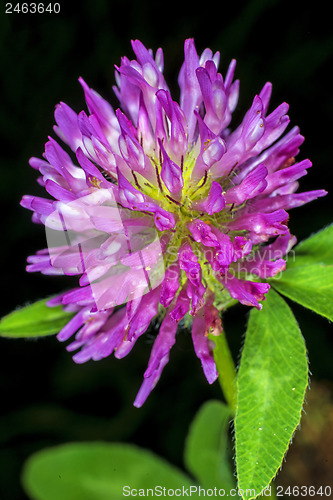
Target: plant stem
226, 369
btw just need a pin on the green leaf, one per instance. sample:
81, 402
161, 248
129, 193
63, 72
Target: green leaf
272, 380
314, 250
311, 286
34, 320
308, 279
206, 448
98, 471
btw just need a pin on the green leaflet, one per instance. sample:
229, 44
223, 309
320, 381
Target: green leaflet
272, 380
311, 286
316, 249
97, 471
34, 320
206, 447
308, 279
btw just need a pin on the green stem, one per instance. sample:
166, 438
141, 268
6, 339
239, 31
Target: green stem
226, 368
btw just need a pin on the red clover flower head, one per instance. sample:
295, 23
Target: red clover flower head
168, 212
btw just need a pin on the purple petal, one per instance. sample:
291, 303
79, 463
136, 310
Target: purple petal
177, 135
247, 292
212, 317
188, 262
202, 233
63, 164
164, 220
286, 201
67, 127
145, 130
158, 359
265, 96
102, 110
262, 268
213, 203
149, 383
181, 306
274, 125
170, 285
269, 224
225, 251
73, 325
163, 343
171, 173
212, 148
140, 320
252, 185
242, 141
41, 205
286, 176
202, 347
242, 247
196, 293
59, 192
129, 195
190, 94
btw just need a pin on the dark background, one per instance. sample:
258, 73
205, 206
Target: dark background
46, 399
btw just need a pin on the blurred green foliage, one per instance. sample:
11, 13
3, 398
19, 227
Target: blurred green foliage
96, 471
46, 398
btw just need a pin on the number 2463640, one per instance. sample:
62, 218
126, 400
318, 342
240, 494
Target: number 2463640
32, 8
